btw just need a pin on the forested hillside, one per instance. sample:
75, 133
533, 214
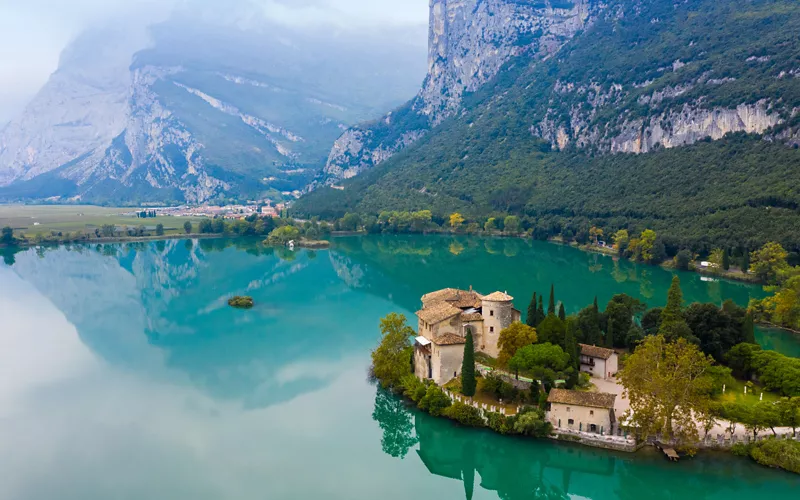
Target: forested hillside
707, 91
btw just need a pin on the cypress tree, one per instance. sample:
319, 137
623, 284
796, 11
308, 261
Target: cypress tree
562, 314
596, 309
749, 329
468, 382
532, 313
673, 324
745, 261
540, 312
610, 335
726, 260
551, 306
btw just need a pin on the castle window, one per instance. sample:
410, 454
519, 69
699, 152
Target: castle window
491, 329
567, 409
491, 313
591, 412
571, 422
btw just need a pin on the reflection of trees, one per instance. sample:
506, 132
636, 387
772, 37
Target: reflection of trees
619, 275
646, 285
395, 422
456, 248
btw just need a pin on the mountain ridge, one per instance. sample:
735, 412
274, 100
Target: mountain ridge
704, 87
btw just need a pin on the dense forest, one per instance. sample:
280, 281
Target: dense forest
738, 192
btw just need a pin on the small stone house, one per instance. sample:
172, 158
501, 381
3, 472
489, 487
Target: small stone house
599, 361
444, 320
591, 412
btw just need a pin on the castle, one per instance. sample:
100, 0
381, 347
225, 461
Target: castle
444, 320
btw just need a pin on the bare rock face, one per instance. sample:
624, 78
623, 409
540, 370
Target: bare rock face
470, 40
81, 109
468, 43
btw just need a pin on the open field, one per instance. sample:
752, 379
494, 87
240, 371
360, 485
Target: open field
735, 394
30, 220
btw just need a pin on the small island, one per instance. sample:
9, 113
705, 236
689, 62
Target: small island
241, 302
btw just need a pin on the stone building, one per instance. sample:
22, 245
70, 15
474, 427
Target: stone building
444, 320
591, 412
599, 361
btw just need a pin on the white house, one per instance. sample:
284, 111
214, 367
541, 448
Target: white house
599, 361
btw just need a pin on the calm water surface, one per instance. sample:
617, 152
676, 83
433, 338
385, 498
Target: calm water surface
124, 375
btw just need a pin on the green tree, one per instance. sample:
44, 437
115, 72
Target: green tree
7, 236
647, 245
533, 315
512, 224
551, 305
740, 358
187, 226
491, 225
513, 338
562, 314
283, 235
610, 336
619, 315
420, 221
546, 355
391, 360
768, 262
673, 325
540, 311
745, 264
551, 330
666, 386
621, 241
435, 401
205, 226
682, 259
749, 329
789, 411
159, 229
350, 222
468, 382
726, 260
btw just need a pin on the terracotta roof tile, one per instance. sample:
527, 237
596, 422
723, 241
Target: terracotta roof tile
596, 352
578, 398
438, 312
471, 317
499, 297
450, 339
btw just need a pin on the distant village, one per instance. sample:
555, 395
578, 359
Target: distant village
263, 208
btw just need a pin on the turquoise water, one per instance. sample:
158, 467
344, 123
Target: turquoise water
124, 375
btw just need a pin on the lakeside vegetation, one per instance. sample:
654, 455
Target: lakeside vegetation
679, 374
241, 302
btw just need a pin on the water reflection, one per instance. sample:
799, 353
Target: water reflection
514, 468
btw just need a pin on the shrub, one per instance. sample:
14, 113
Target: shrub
435, 401
783, 454
464, 414
413, 388
532, 423
240, 302
741, 450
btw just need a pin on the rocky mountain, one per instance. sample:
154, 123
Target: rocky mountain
469, 41
207, 104
682, 116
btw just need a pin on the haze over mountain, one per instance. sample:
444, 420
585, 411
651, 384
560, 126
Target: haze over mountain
216, 100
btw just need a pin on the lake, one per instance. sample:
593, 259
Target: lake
124, 375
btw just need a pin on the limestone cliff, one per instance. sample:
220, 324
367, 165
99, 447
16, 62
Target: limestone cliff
469, 41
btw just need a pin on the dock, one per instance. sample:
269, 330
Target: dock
670, 452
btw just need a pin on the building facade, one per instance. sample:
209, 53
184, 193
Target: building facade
444, 321
599, 362
591, 412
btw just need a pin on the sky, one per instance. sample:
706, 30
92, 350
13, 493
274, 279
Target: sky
34, 32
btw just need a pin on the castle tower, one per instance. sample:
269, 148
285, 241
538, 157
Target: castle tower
498, 313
